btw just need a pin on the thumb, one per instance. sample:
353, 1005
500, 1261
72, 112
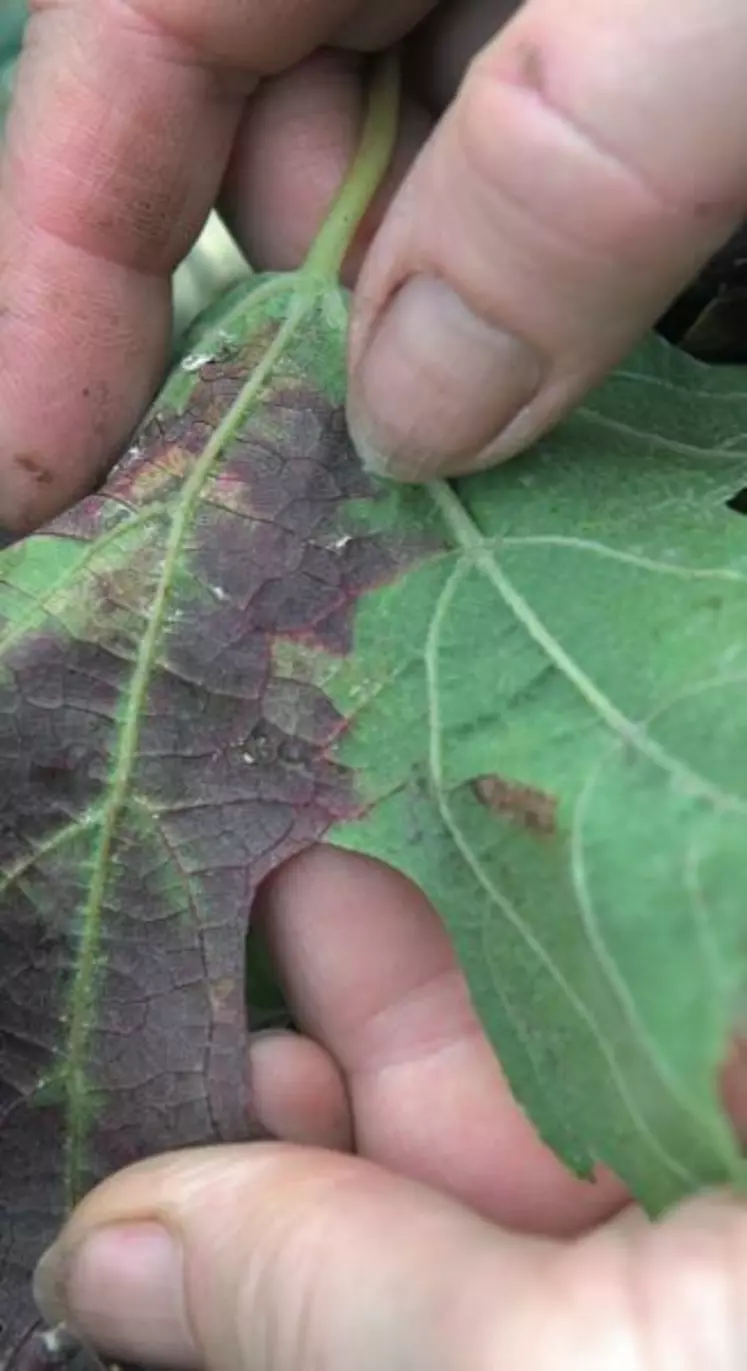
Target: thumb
592, 161
273, 1258
279, 1259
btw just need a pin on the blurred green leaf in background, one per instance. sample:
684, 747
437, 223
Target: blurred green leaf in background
12, 19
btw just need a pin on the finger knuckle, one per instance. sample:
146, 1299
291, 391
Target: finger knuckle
671, 1296
535, 159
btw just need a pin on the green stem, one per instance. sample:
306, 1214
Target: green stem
324, 262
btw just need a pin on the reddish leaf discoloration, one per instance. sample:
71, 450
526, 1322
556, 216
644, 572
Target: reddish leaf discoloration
232, 773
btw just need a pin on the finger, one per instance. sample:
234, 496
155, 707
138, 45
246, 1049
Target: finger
101, 197
445, 45
371, 975
119, 139
593, 159
270, 38
287, 1260
299, 1095
374, 26
297, 1092
296, 142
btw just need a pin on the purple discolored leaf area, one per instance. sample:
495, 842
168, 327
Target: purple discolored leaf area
525, 691
156, 768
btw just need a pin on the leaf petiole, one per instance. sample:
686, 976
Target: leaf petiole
324, 262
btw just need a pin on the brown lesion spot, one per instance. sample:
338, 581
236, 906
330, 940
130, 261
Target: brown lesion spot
533, 809
31, 463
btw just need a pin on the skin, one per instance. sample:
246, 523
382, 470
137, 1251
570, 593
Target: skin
556, 199
451, 1240
541, 213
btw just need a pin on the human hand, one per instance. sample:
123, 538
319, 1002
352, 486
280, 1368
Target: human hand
292, 1257
592, 159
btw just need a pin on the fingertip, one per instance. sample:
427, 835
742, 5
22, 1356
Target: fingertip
560, 214
297, 1092
437, 385
126, 1289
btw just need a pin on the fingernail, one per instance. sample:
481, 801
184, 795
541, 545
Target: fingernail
123, 1291
437, 385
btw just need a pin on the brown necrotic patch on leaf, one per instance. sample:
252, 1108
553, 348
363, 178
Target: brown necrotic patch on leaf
533, 809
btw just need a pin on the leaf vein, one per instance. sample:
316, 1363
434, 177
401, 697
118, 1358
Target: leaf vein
83, 989
497, 897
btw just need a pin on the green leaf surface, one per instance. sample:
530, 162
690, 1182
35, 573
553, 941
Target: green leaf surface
12, 20
526, 691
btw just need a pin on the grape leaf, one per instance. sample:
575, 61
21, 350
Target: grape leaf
525, 690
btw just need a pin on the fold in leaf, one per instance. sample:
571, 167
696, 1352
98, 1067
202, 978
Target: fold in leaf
525, 690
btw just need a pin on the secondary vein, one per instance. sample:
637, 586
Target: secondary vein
469, 537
